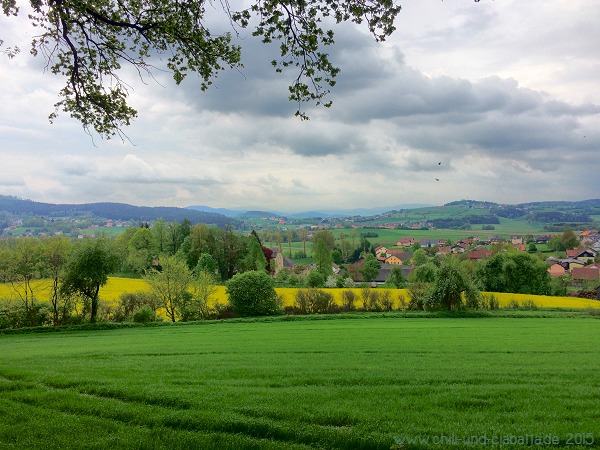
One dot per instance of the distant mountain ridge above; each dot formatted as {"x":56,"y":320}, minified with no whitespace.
{"x":454,"y":214}
{"x":115,"y":211}
{"x":309,"y":214}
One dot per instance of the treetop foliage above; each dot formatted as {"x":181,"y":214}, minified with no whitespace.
{"x":87,"y":43}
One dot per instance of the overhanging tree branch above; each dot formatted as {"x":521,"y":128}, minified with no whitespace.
{"x":87,"y":42}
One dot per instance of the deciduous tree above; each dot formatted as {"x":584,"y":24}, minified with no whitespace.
{"x":519,"y":273}
{"x":303,"y":234}
{"x":289,"y":234}
{"x":327,"y":237}
{"x":159,"y":230}
{"x":88,"y":270}
{"x":450,"y":285}
{"x":322,"y":258}
{"x":565,"y":241}
{"x":206,"y":263}
{"x":255,"y":258}
{"x":56,"y":252}
{"x":396,"y":278}
{"x":427,"y":273}
{"x":22,"y":263}
{"x":142,"y":250}
{"x":419,"y":257}
{"x":203,"y":290}
{"x":169,"y":285}
{"x":370,"y":268}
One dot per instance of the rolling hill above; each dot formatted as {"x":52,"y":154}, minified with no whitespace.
{"x":115,"y":211}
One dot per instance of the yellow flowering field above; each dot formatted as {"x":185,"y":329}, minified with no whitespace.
{"x":110,"y":293}
{"x":116,"y":286}
{"x":541,"y":301}
{"x":544,"y":301}
{"x":41,"y":290}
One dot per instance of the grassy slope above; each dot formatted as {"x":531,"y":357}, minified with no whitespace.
{"x":326,"y":384}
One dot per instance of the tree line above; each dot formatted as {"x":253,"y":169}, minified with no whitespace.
{"x":183,"y":263}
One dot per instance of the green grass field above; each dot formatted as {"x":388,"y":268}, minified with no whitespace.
{"x":352,"y":383}
{"x":390,"y":237}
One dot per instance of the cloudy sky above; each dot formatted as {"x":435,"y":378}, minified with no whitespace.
{"x":505,"y":94}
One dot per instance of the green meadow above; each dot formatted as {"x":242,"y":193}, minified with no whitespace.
{"x":370,"y":383}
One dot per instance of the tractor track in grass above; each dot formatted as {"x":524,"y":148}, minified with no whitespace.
{"x":137,"y":411}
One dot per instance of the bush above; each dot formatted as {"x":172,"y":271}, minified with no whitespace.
{"x":474,"y":301}
{"x":36,"y":315}
{"x":418,"y":293}
{"x":189,"y":308}
{"x":332,"y":281}
{"x":490,"y":302}
{"x":144,"y":314}
{"x":223,"y":312}
{"x":529,"y":304}
{"x":283,"y":275}
{"x":402,"y":302}
{"x":14,"y":315}
{"x":348,"y":282}
{"x":8,"y":316}
{"x":513,"y":304}
{"x":314,"y":301}
{"x":348,"y":299}
{"x":293,"y":280}
{"x":385,"y":301}
{"x":253,"y":294}
{"x":314,"y":279}
{"x":374,"y":300}
{"x":129,"y":302}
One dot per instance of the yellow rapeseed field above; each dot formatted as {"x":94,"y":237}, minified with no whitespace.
{"x":116,"y":286}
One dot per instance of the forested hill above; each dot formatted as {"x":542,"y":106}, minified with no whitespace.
{"x":114,"y":211}
{"x":538,"y":212}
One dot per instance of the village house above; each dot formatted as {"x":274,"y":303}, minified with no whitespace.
{"x":429,"y":242}
{"x":517,"y":240}
{"x":479,"y":253}
{"x":572,"y":253}
{"x":587,"y":273}
{"x":405,"y":242}
{"x":393,"y":260}
{"x":570,"y":263}
{"x":280,"y":261}
{"x":459,"y":247}
{"x":402,"y":255}
{"x":444,"y":250}
{"x":556,"y":270}
{"x":586,"y":255}
{"x":543,"y":239}
{"x":381,"y":253}
{"x":386,"y":270}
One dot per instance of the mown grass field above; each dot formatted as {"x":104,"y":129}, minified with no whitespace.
{"x":327,"y":384}
{"x":116,"y":286}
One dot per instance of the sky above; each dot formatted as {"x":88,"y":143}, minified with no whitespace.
{"x":494,"y":101}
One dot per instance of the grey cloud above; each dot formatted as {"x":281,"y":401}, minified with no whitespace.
{"x":321,"y":142}
{"x":390,"y":125}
